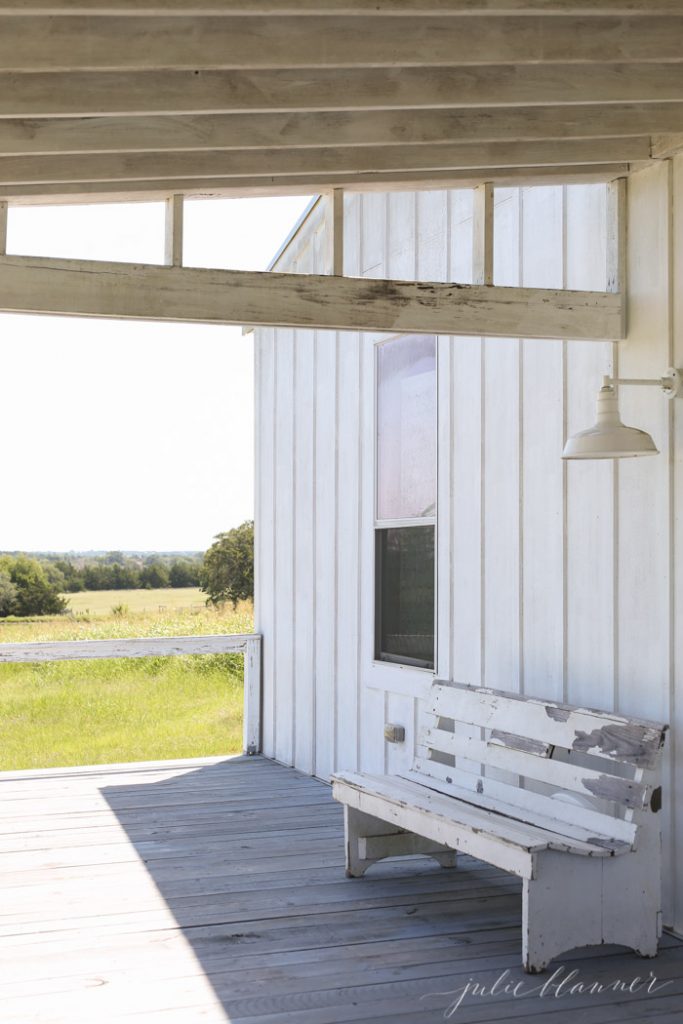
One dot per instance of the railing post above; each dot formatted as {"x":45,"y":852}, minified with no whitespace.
{"x":252,"y":697}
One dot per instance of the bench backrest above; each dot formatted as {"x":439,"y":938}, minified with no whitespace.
{"x":589,"y":770}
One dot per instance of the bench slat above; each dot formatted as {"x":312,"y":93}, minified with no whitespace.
{"x":603,"y":735}
{"x":418,"y":812}
{"x":526,"y":835}
{"x":537,"y":809}
{"x":574,"y":777}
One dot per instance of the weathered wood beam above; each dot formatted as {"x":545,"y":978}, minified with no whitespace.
{"x":323,"y":130}
{"x":617,"y":233}
{"x":664,"y":146}
{"x":335,"y":231}
{"x":307,"y":185}
{"x":126,"y":291}
{"x":140,"y":43}
{"x":617,"y":243}
{"x":74,"y":94}
{"x":482,"y":234}
{"x":134,"y":647}
{"x":309,"y":8}
{"x":174,"y":229}
{"x":3,"y":228}
{"x":272,"y":164}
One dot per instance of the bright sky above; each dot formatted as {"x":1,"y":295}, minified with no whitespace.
{"x":123,"y":435}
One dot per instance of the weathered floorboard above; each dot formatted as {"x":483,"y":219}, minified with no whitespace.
{"x":245,"y":915}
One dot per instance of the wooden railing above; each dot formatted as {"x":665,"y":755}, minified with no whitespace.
{"x":248,"y":644}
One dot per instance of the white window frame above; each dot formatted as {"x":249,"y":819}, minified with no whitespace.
{"x":389,"y":662}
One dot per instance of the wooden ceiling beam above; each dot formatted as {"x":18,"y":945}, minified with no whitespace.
{"x":144,"y":43}
{"x":84,"y":94}
{"x":128,"y":291}
{"x":664,"y":146}
{"x":309,"y":8}
{"x":392,"y":129}
{"x":308,"y":185}
{"x":272,"y":164}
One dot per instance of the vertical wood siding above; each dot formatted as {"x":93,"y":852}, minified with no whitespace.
{"x":558,"y":580}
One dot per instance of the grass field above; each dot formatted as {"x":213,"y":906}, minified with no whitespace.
{"x":101,"y":602}
{"x":101,"y":712}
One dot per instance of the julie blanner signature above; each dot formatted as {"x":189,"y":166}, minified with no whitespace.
{"x":560,"y":984}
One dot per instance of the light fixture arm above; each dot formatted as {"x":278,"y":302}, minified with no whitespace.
{"x":670,"y":383}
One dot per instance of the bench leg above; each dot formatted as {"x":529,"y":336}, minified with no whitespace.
{"x":369,"y":840}
{"x":561,"y":907}
{"x":632,"y":895}
{"x":446,"y":860}
{"x":578,"y":901}
{"x":356,"y":825}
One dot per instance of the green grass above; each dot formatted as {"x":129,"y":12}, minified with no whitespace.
{"x":101,"y":602}
{"x":58,"y":714}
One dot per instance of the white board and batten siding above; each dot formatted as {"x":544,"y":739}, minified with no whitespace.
{"x":557,"y":580}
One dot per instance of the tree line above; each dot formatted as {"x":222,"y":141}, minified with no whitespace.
{"x":35,"y":584}
{"x":116,"y":571}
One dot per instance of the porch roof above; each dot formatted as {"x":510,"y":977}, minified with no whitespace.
{"x":214,"y":890}
{"x":117,"y":98}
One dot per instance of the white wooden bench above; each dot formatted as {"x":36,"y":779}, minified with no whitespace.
{"x":565,"y":798}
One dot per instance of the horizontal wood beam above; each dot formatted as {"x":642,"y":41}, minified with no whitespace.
{"x":135,"y":647}
{"x":84,"y":94}
{"x":664,"y":146}
{"x":313,"y":130}
{"x":149,"y":43}
{"x":87,"y":94}
{"x":126,"y":291}
{"x":308,"y":185}
{"x":309,"y":8}
{"x":318,"y":163}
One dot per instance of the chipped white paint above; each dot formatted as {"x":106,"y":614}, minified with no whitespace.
{"x":564,"y":905}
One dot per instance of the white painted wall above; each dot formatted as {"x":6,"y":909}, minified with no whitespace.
{"x":557,"y":580}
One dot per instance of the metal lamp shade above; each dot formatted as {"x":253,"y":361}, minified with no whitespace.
{"x":609,"y":438}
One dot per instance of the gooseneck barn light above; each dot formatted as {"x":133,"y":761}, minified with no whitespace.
{"x":610,"y":438}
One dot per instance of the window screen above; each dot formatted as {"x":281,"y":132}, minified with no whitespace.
{"x":406,"y":501}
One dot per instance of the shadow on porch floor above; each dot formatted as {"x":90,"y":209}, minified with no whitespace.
{"x":214,"y":891}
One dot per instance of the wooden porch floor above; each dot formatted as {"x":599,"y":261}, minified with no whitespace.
{"x":213,"y":890}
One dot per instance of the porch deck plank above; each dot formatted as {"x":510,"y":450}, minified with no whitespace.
{"x":213,"y":890}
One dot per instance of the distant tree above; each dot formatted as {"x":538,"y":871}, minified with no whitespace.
{"x":73,"y":577}
{"x":96,"y":577}
{"x":124,"y":577}
{"x":35,"y":593}
{"x":154,"y":575}
{"x":184,"y":573}
{"x":227,"y":573}
{"x":8,"y":594}
{"x":55,"y":576}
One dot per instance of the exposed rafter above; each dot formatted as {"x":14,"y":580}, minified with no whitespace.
{"x":89,"y":288}
{"x":366,"y":128}
{"x":129,"y":44}
{"x":306,"y":184}
{"x":320,"y":164}
{"x":310,"y":8}
{"x":226,"y":95}
{"x":83,"y":94}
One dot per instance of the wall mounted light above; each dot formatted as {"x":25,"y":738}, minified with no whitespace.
{"x":610,"y":438}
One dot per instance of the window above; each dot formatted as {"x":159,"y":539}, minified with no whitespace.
{"x":406,"y":501}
